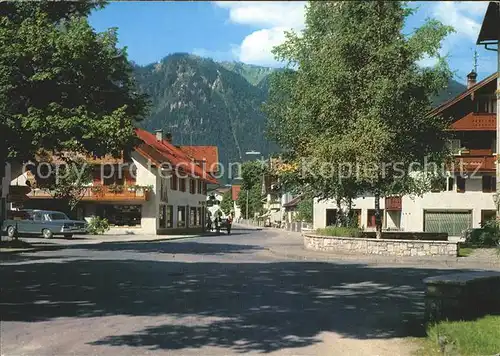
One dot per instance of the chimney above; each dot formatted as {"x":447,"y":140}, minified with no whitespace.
{"x":159,"y":135}
{"x":168,"y":137}
{"x":471,"y":79}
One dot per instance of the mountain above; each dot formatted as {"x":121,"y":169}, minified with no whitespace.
{"x":454,"y":88}
{"x":202,"y":102}
{"x":252,"y":73}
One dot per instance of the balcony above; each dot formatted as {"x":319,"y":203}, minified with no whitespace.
{"x":476,"y":122}
{"x":471,"y":163}
{"x":103,"y":193}
{"x":393,"y":204}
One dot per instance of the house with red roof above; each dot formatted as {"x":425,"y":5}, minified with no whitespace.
{"x":158,"y":188}
{"x":465,"y":198}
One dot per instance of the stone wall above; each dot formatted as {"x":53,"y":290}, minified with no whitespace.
{"x":382,"y":247}
{"x":462,"y":296}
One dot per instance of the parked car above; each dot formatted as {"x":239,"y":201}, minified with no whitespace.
{"x":42,"y":222}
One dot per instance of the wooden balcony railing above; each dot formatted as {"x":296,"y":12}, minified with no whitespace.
{"x":101,"y":193}
{"x":471,"y":163}
{"x":393,"y":203}
{"x":475,"y":122}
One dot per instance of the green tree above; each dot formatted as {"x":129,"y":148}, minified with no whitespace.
{"x":255,"y":205}
{"x":252,"y":173}
{"x":63,"y":86}
{"x":357,"y":102}
{"x":305,"y":209}
{"x":226,"y":204}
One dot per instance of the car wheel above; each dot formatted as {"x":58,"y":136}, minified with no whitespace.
{"x":11,"y":231}
{"x":47,"y":234}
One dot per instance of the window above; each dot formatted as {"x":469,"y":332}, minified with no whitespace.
{"x":488,"y":215}
{"x":200,"y":186}
{"x":331,"y":217}
{"x":205,"y":188}
{"x":486,"y":104}
{"x":163,"y":190}
{"x":181,"y":216}
{"x":170,"y":216}
{"x":173,"y":182}
{"x":182,"y":184}
{"x":371,"y":218}
{"x":198,"y":214}
{"x":163,"y":216}
{"x":56,"y":216}
{"x":450,"y":183}
{"x":489,"y":184}
{"x":192,"y":216}
{"x":460,"y":184}
{"x":192,"y":186}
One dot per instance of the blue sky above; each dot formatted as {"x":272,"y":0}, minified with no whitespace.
{"x":246,"y":31}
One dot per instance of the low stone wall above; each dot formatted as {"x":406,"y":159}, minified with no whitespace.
{"x":462,"y":296}
{"x":382,"y":247}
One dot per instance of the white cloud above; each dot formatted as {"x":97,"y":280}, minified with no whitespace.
{"x":427,"y":61}
{"x":266,"y":14}
{"x":273,"y":19}
{"x":256,"y":47}
{"x":463,"y":16}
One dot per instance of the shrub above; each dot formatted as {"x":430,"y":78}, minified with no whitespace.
{"x":341,"y":231}
{"x":487,"y":236}
{"x":97,"y":225}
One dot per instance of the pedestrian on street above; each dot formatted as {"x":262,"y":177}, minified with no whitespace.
{"x":217,"y":224}
{"x":229,"y":222}
{"x":209,"y":224}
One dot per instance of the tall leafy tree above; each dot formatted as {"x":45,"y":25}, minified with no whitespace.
{"x":226,"y":204}
{"x":63,"y":86}
{"x":254,"y":198}
{"x":355,"y":101}
{"x":67,"y":181}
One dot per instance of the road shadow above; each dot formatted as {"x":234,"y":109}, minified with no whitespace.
{"x":169,"y":247}
{"x":243,"y":307}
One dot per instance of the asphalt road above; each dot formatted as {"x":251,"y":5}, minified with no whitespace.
{"x":204,"y":296}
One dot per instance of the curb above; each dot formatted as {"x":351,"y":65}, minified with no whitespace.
{"x":456,"y":262}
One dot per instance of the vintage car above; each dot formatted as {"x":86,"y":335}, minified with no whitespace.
{"x":42,"y":222}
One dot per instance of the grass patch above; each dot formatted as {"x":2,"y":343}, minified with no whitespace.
{"x":340,"y":231}
{"x":464,"y":250}
{"x":471,"y":338}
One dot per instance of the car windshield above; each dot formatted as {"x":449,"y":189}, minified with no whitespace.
{"x":57,"y":216}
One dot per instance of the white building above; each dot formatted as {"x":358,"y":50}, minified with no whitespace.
{"x":160,"y":189}
{"x":463,"y":200}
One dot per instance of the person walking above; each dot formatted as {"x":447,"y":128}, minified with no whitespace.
{"x":209,"y":224}
{"x":229,"y":222}
{"x":217,"y":224}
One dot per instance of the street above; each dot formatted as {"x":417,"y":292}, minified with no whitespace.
{"x":213,"y":295}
